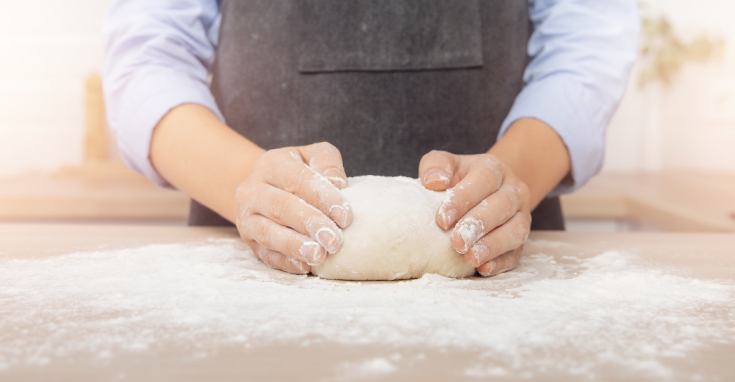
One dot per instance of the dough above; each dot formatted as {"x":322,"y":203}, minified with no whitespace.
{"x":393,"y":234}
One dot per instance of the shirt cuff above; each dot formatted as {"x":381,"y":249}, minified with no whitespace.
{"x":138,"y":116}
{"x":564,"y":104}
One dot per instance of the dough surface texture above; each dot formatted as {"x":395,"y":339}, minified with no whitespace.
{"x":393,"y":235}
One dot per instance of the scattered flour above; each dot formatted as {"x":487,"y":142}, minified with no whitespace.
{"x":370,"y":368}
{"x":613,"y":313}
{"x":491,"y":371}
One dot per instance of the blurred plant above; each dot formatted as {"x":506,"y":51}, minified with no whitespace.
{"x":663,"y":53}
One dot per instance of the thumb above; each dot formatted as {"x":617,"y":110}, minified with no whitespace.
{"x":437,"y":169}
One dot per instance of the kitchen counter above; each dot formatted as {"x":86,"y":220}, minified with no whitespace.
{"x":110,"y":193}
{"x":672,"y":202}
{"x":92,"y":192}
{"x":92,"y":302}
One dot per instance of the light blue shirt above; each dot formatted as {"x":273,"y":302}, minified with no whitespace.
{"x":159,"y":55}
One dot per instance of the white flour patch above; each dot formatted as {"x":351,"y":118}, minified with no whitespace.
{"x":484,"y":372}
{"x":605,"y":312}
{"x":375,"y":367}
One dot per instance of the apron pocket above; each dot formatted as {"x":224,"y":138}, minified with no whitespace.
{"x":389,"y":35}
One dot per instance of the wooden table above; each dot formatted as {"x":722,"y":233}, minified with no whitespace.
{"x":93,"y":192}
{"x":112,"y":193}
{"x":678,"y":202}
{"x":676,"y":260}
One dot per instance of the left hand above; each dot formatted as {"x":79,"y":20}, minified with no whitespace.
{"x":489,"y":206}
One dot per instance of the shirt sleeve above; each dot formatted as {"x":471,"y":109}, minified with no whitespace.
{"x":581,"y":55}
{"x":158,"y":55}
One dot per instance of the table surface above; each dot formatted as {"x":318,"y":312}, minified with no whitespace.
{"x":92,"y":192}
{"x":51,"y":327}
{"x":677,"y":202}
{"x":110,"y":192}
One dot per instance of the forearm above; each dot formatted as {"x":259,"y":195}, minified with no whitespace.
{"x":202,"y":157}
{"x":536,"y":153}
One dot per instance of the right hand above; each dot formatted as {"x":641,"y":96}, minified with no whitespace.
{"x":289,"y":208}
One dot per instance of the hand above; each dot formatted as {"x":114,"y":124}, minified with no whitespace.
{"x":489,"y":206}
{"x":289,"y":208}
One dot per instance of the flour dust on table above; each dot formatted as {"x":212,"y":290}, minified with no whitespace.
{"x":393,"y":235}
{"x":579,"y":317}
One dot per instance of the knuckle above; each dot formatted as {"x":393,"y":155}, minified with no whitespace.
{"x":505,"y":264}
{"x":271,"y":258}
{"x":294,"y":266}
{"x":492,"y":246}
{"x":256,"y":251}
{"x":241,"y":194}
{"x":323,"y":146}
{"x":270,"y":155}
{"x":489,"y":156}
{"x":436,"y":155}
{"x":506,"y":200}
{"x":246,"y":228}
{"x":491,"y":176}
{"x":264,"y":254}
{"x":279,"y":261}
{"x":524,"y":230}
{"x":525,"y":222}
{"x":491,"y":166}
{"x":295,"y":181}
{"x":246,"y":193}
{"x":516,"y":255}
{"x":250,"y":243}
{"x":327,"y":148}
{"x":503,"y":206}
{"x":279,"y":205}
{"x":261,"y":233}
{"x":514,"y":193}
{"x":293,"y":247}
{"x":523,"y":191}
{"x":507,"y":212}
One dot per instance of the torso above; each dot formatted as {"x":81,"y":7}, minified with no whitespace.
{"x":385,"y":81}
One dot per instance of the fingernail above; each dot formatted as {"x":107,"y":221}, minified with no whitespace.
{"x":328,"y":239}
{"x":310,"y":253}
{"x":478,"y":253}
{"x":450,"y":216}
{"x":336,"y":176}
{"x":436,"y":175}
{"x":340,"y":215}
{"x":492,"y":266}
{"x":297,"y":266}
{"x":469,"y":230}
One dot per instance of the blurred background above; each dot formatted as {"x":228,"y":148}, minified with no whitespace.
{"x":670,"y":159}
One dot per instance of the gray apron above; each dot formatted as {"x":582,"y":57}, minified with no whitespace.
{"x":385,"y":81}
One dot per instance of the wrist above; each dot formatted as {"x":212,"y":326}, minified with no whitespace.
{"x":536,"y":154}
{"x":198,"y":154}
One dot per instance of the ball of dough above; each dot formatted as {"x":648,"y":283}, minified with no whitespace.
{"x":393,"y":235}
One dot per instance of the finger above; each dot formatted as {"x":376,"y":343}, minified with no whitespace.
{"x":436,"y":170}
{"x":490,"y":213}
{"x":500,"y":264}
{"x":282,"y":239}
{"x":280,"y":261}
{"x":508,"y":236}
{"x":326,"y":160}
{"x":289,"y":210}
{"x":299,"y":179}
{"x":480,"y":175}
